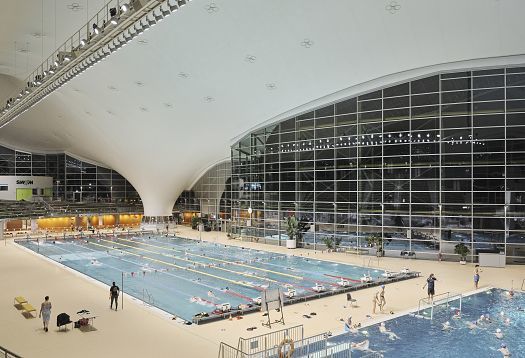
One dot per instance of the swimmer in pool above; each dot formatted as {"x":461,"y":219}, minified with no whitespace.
{"x":472,"y":325}
{"x":457,"y":315}
{"x":391,"y":335}
{"x":361,"y":346}
{"x":446,"y":326}
{"x":504,"y":350}
{"x":498,"y":334}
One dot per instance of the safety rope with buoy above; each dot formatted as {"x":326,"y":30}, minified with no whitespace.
{"x":288,"y":354}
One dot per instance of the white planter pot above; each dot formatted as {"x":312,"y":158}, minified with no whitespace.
{"x":291,"y":244}
{"x":462,"y":262}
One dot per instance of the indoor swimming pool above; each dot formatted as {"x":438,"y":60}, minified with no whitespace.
{"x":466,"y":335}
{"x":187,"y":277}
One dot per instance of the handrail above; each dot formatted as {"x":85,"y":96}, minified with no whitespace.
{"x":8,"y":354}
{"x":434,"y":302}
{"x":522,"y":283}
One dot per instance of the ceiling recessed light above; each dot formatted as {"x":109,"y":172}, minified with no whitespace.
{"x":307,"y":43}
{"x":168,"y":105}
{"x":142,"y":41}
{"x":209,"y":99}
{"x":250,"y":58}
{"x":183,"y":75}
{"x":393,"y":7}
{"x":211,"y":8}
{"x":271,"y":86}
{"x":75,"y":6}
{"x":143,"y":109}
{"x":139,"y":83}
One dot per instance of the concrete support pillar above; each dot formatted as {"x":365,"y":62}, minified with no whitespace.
{"x":34,"y":225}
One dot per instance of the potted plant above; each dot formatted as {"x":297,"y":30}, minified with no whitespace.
{"x":462,"y":250}
{"x":376,"y":241}
{"x":292,"y":230}
{"x":195,"y":221}
{"x":329,"y":243}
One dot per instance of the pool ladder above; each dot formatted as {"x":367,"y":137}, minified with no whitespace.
{"x":449,"y":296}
{"x":147,"y":297}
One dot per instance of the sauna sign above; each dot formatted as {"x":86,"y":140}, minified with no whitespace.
{"x":24,"y":182}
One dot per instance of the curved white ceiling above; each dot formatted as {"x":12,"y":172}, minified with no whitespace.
{"x":166,"y":106}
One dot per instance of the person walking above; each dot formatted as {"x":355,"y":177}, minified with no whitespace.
{"x":45,"y":312}
{"x":431,"y":288}
{"x":113,"y":295}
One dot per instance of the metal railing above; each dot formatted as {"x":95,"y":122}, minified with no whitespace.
{"x":269,"y":341}
{"x":522,"y":284}
{"x":449,"y":296}
{"x":5,"y":353}
{"x":147,"y":297}
{"x":273,"y":345}
{"x":106,"y":25}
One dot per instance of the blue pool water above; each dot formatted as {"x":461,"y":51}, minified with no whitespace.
{"x":184,"y":277}
{"x":422,"y":337}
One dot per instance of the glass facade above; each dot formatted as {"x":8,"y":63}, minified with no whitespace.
{"x":211,"y":194}
{"x":73,"y":179}
{"x":425,"y":164}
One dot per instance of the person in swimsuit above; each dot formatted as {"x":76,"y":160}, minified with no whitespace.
{"x":382,"y":299}
{"x":476,"y":276}
{"x":375,"y":301}
{"x":45,"y":312}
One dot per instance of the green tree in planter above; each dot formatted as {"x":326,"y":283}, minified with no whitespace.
{"x":328,"y":242}
{"x":462,"y":250}
{"x":292,"y":228}
{"x":195,"y":221}
{"x":376,"y":241}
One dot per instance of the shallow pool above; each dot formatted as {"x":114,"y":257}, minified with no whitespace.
{"x":422,"y":337}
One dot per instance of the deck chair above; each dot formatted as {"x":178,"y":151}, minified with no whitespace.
{"x":352,"y":301}
{"x":19,"y":300}
{"x":63,"y":320}
{"x":27,"y":308}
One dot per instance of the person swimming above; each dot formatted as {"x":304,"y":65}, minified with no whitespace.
{"x":457,"y":315}
{"x":483,"y":319}
{"x":471,"y":325}
{"x":391,"y":335}
{"x":446,"y":326}
{"x":361,"y":346}
{"x":504,"y":350}
{"x":498,"y":334}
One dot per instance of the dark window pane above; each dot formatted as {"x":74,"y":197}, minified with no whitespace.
{"x":516,"y":80}
{"x":488,"y":94}
{"x":425,"y":85}
{"x":348,"y":106}
{"x":488,"y":81}
{"x":455,"y":84}
{"x":399,"y":90}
